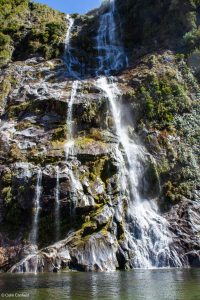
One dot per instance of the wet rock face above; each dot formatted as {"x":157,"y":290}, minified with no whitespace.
{"x":33,"y":132}
{"x":83,"y":43}
{"x":65,"y":171}
{"x":97,"y":253}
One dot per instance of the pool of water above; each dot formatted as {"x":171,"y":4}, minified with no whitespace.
{"x":173,"y":284}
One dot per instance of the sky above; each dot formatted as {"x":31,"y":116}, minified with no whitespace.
{"x":72,"y":6}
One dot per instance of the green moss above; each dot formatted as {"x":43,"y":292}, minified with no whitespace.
{"x":59,"y":134}
{"x":5,"y":88}
{"x":38,"y":159}
{"x":25,"y":124}
{"x":7,"y":178}
{"x":104,"y":231}
{"x":21,"y":189}
{"x":95,"y":134}
{"x":7,"y":194}
{"x":88,"y":228}
{"x":120,"y":231}
{"x":90,"y":113}
{"x":82,"y":142}
{"x":97,"y":167}
{"x":14,"y":110}
{"x":15,"y":154}
{"x":5,"y":56}
{"x":153,"y":173}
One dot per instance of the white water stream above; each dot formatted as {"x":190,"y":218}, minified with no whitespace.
{"x":57,"y":205}
{"x":146,"y":231}
{"x":38,"y":192}
{"x":111,"y":54}
{"x":69,"y":145}
{"x":69,"y":59}
{"x":69,"y":148}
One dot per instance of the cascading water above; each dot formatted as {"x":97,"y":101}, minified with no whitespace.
{"x":111,"y":56}
{"x":69,"y":59}
{"x":38,"y":192}
{"x":146,"y":231}
{"x":34,"y":231}
{"x":67,"y":53}
{"x":69,"y":147}
{"x":57,"y":205}
{"x":147,"y":241}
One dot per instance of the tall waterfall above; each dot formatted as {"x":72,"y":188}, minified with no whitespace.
{"x":146,"y":231}
{"x":69,"y":145}
{"x":38,"y":192}
{"x":69,"y":148}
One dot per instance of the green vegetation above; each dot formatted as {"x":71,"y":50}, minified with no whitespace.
{"x":164,"y":98}
{"x":159,"y":24}
{"x":59,"y":134}
{"x":161,"y":98}
{"x":165,"y":101}
{"x":27,"y":28}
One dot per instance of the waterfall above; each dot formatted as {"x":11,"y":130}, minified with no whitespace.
{"x":38,"y":192}
{"x":57,"y":205}
{"x":69,"y":59}
{"x":70,"y":22}
{"x":67,"y":52}
{"x":69,"y":145}
{"x":111,"y":56}
{"x":69,"y":148}
{"x":146,"y":231}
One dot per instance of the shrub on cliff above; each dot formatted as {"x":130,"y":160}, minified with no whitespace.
{"x":28,"y":28}
{"x":166,"y":23}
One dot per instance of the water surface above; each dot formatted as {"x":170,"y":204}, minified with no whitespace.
{"x":173,"y":284}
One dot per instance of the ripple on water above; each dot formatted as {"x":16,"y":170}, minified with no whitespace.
{"x":165,"y":284}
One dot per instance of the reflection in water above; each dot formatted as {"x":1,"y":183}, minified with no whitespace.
{"x":165,"y":284}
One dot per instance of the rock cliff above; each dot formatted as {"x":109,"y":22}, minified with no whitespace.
{"x":99,"y":173}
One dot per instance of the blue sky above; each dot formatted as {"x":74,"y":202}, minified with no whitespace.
{"x":72,"y":6}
